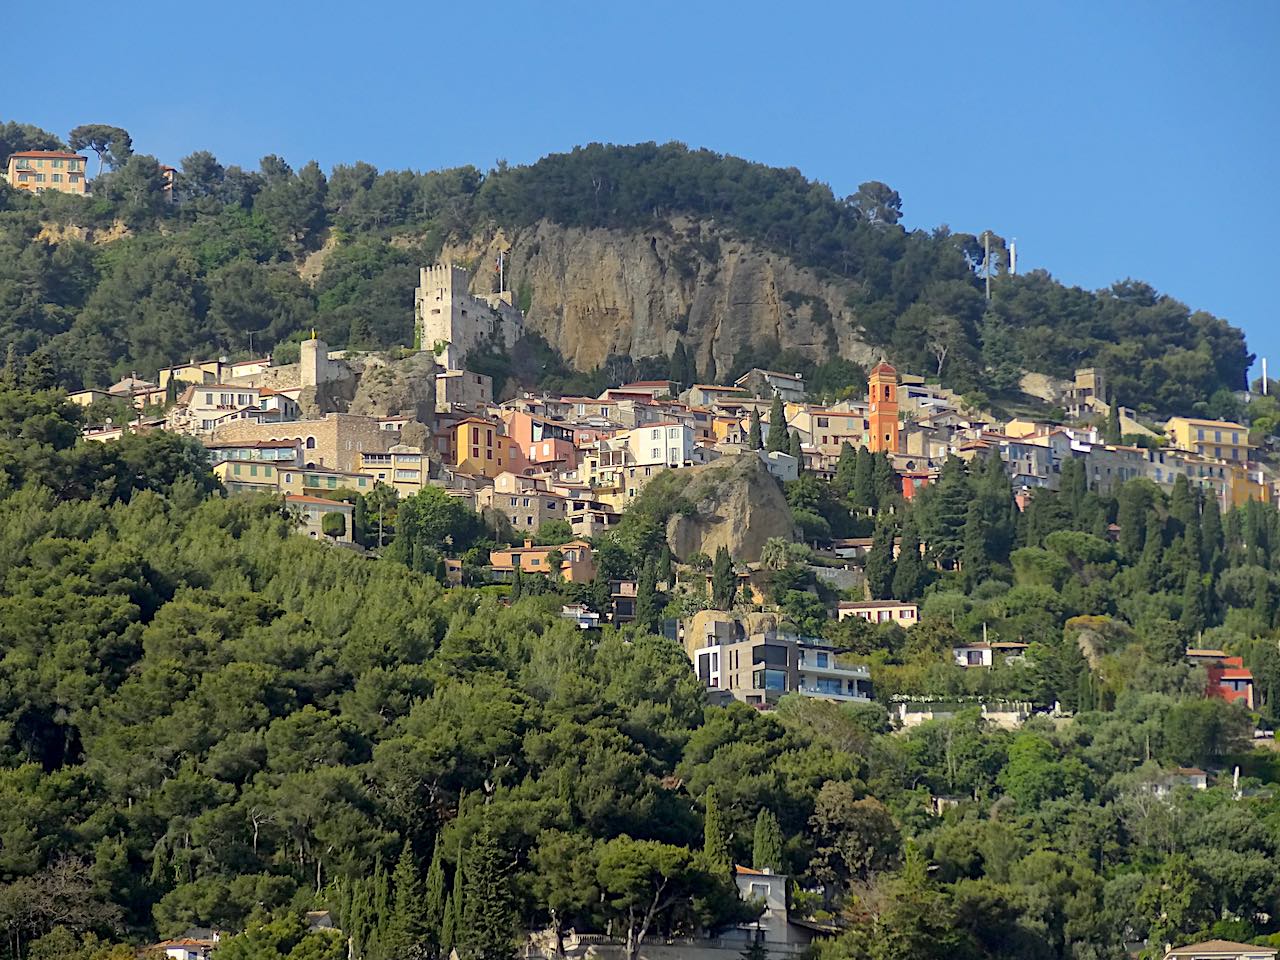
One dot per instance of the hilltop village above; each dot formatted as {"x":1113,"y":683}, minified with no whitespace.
{"x":347,"y":440}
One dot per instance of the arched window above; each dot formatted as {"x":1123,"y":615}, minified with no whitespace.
{"x":311,"y":443}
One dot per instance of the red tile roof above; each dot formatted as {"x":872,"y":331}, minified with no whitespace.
{"x":49,"y":154}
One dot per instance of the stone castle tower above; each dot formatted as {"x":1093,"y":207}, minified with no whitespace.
{"x":452,"y":322}
{"x":882,"y":413}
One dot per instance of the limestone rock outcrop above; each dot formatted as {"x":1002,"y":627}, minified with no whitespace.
{"x":596,"y":292}
{"x":736,"y":504}
{"x":396,"y":388}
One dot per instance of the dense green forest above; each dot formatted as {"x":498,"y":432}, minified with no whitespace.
{"x":217,"y":271}
{"x":205,"y":718}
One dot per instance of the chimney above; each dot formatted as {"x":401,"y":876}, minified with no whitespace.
{"x":528,"y":544}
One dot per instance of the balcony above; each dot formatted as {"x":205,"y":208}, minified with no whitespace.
{"x":835,"y":670}
{"x":806,"y":691}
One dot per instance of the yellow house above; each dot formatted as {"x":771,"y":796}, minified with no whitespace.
{"x":240,"y":476}
{"x":1220,"y":439}
{"x":403,"y":468}
{"x":41,"y":170}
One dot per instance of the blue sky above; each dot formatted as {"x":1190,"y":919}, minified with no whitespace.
{"x":1111,"y":139}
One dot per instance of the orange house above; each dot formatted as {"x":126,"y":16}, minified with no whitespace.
{"x":480,"y":447}
{"x":576,"y":565}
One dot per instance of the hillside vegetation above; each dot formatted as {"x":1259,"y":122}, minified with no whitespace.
{"x":218,"y":271}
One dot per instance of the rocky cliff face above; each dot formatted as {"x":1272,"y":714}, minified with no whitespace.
{"x":597,"y":292}
{"x":738,"y":505}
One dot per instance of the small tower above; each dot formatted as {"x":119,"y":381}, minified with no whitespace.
{"x":882,"y":413}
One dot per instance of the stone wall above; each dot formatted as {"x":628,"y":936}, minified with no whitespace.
{"x":334,"y":442}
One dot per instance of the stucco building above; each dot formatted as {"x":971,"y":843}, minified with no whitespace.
{"x":39,"y":170}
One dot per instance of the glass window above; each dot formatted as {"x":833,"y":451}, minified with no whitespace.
{"x":769,"y":679}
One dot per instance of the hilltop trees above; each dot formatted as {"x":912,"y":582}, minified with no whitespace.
{"x":111,"y":144}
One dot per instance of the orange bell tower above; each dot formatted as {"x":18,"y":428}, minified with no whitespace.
{"x":882,"y":413}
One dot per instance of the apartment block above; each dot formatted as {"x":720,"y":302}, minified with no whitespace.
{"x":760,"y":668}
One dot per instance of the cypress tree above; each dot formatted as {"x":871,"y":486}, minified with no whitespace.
{"x":407,"y":925}
{"x":441,"y":571}
{"x":1113,"y":434}
{"x":863,"y":492}
{"x":1211,"y":542}
{"x":795,"y":449}
{"x":1085,"y":698}
{"x":448,"y":928}
{"x":754,"y":438}
{"x":845,"y":466}
{"x":766,"y":848}
{"x":909,"y":574}
{"x":724,"y":582}
{"x":880,"y":566}
{"x":975,"y":564}
{"x":1150,"y":562}
{"x":715,"y":842}
{"x":679,"y":370}
{"x":488,"y":915}
{"x":1181,"y":502}
{"x":885,"y":482}
{"x":517,"y":580}
{"x":435,"y":898}
{"x":1262,"y":601}
{"x":950,"y":509}
{"x":12,"y":366}
{"x":1193,"y":605}
{"x":647,"y":613}
{"x":777,"y":440}
{"x":662,"y":566}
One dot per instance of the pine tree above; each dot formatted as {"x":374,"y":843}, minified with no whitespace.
{"x":715,"y":841}
{"x":880,"y":565}
{"x":435,"y":899}
{"x":766,"y":848}
{"x":777,"y":441}
{"x":407,"y":930}
{"x":647,"y":612}
{"x":842,"y":484}
{"x":909,"y":574}
{"x":863,"y":492}
{"x":754,"y":440}
{"x":488,"y":915}
{"x":724,"y":581}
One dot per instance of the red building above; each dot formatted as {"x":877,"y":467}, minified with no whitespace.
{"x":1230,"y":681}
